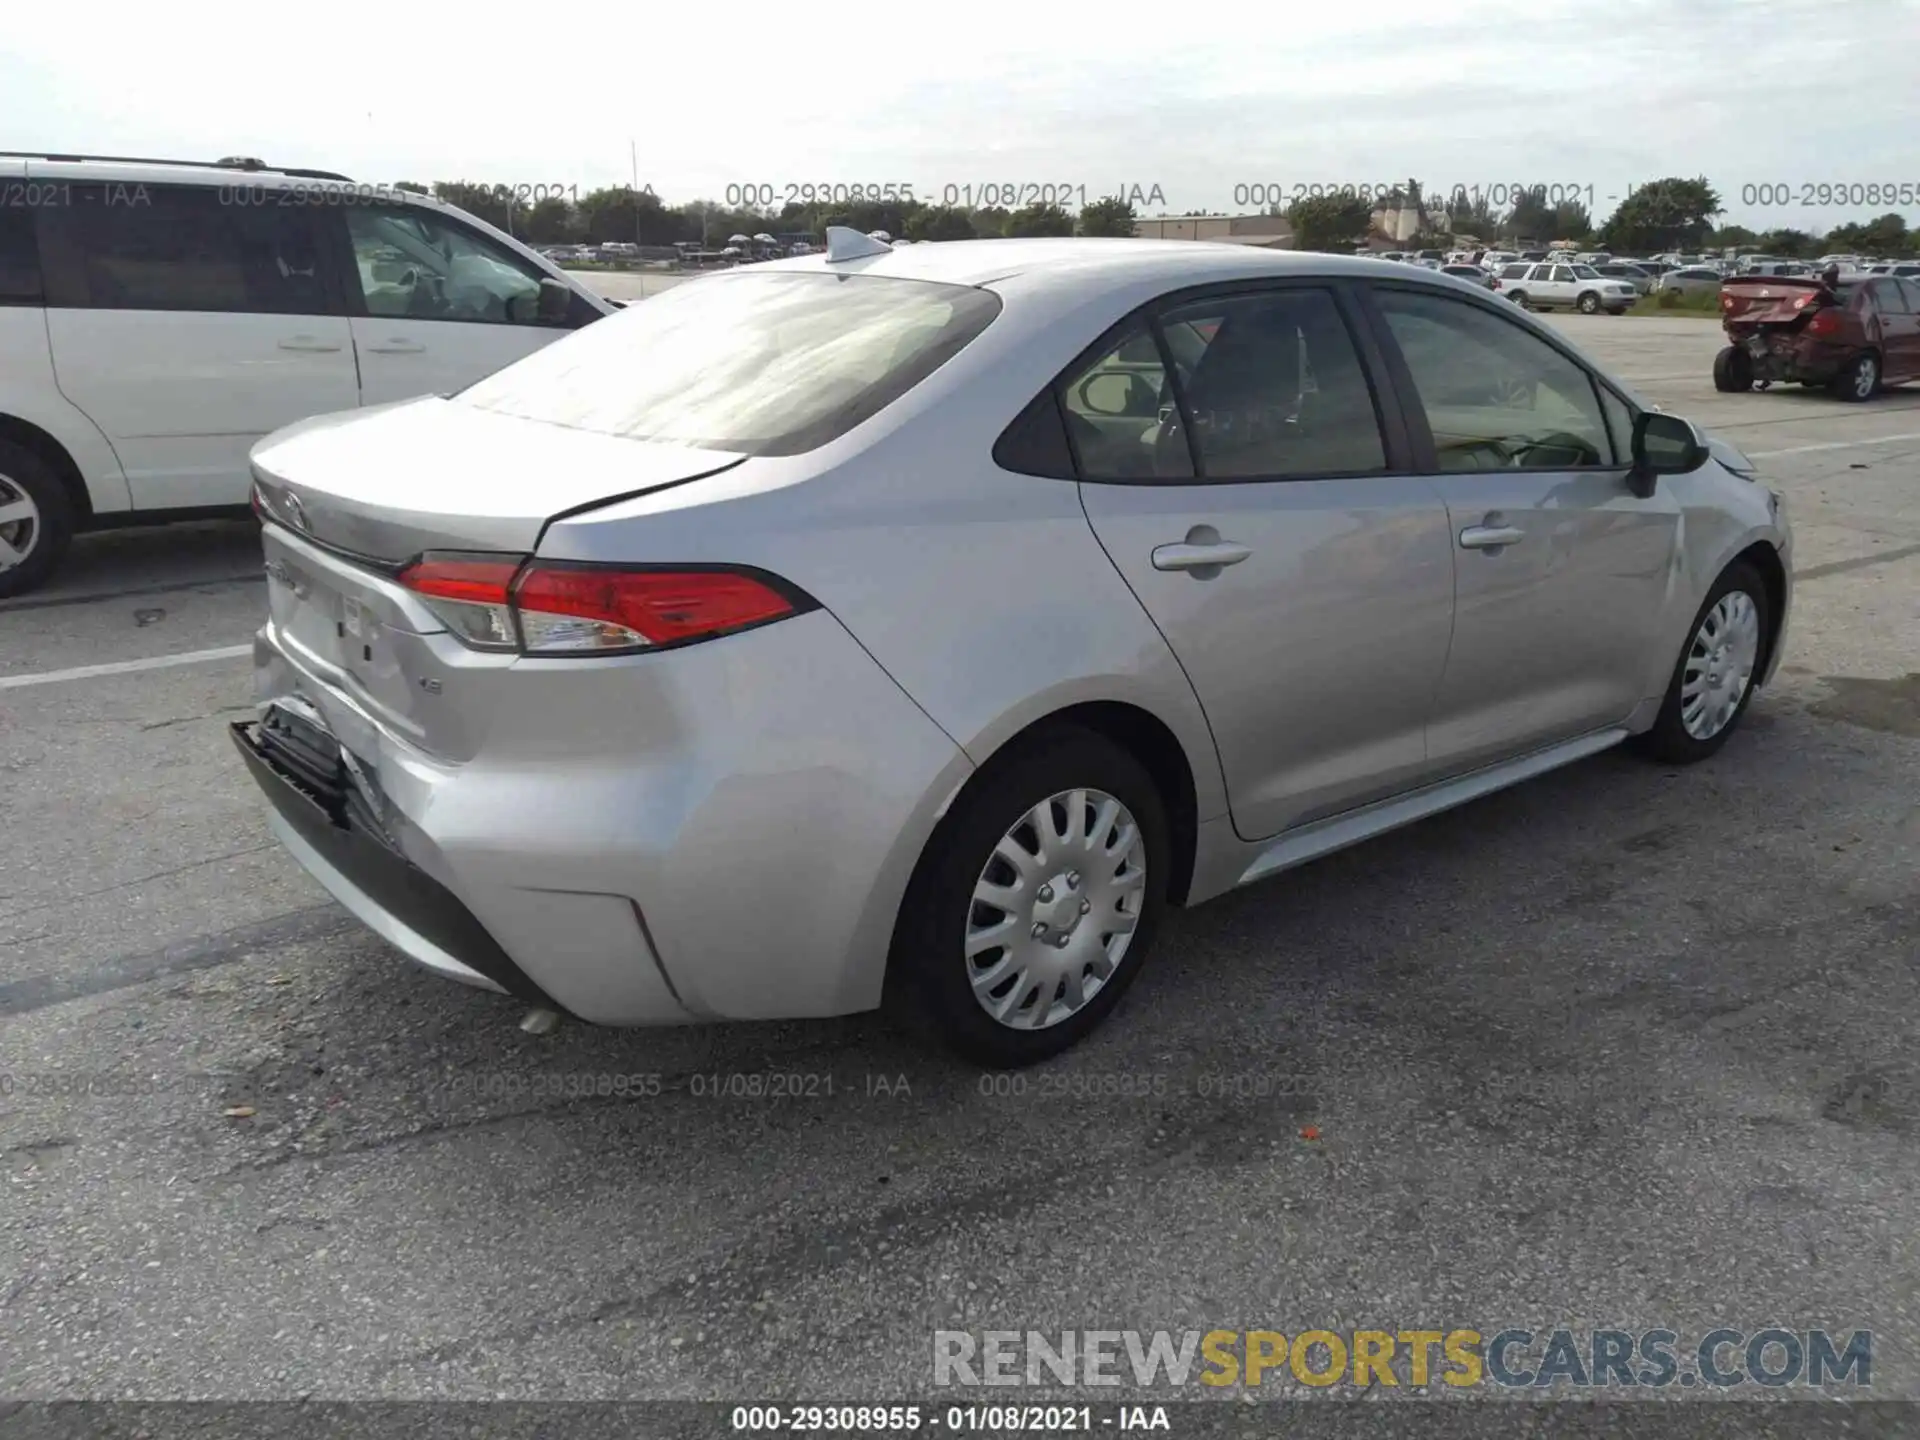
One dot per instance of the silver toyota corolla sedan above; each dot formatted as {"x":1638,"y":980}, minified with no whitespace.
{"x":913,"y":626}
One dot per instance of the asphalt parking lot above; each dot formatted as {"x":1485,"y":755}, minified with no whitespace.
{"x":1624,"y":1046}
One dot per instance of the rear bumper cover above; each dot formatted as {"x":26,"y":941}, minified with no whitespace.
{"x":383,"y":889}
{"x":1798,"y":358}
{"x":721,"y":832}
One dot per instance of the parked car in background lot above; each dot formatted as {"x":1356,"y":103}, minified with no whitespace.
{"x":1690,"y":281}
{"x":161,"y":317}
{"x":719,"y":720}
{"x":1563,"y":285}
{"x":1470,"y":272}
{"x":1629,"y":274}
{"x":1853,"y":337}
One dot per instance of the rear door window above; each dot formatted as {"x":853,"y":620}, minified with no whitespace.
{"x":1119,"y":408}
{"x":189,"y":247}
{"x":1279,"y":392}
{"x":19,"y":256}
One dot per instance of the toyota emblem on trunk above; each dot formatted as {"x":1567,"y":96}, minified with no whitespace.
{"x":296,"y":512}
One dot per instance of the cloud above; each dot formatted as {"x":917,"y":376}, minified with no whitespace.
{"x":1477,"y":94}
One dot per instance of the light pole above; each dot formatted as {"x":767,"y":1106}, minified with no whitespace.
{"x":633,"y":159}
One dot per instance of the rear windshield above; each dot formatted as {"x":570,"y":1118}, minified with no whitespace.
{"x":768,"y":364}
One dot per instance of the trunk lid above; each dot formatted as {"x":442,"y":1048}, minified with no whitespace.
{"x":1772,"y":300}
{"x":386,"y":483}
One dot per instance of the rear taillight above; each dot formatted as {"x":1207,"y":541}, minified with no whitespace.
{"x":496,"y":602}
{"x":1826,"y":322}
{"x":472,"y":594}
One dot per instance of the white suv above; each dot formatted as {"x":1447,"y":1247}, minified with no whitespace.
{"x":157,"y":318}
{"x":1580,"y":287}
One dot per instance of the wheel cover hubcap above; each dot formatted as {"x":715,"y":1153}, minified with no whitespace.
{"x":19,"y":524}
{"x":1719,"y":665}
{"x":1864,"y":376}
{"x":1055,"y":909}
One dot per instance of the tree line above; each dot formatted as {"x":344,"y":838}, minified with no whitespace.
{"x":620,"y":213}
{"x":1672,"y":214}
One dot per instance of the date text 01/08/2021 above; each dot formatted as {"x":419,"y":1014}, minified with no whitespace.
{"x":1495,"y":194}
{"x":1003,"y":194}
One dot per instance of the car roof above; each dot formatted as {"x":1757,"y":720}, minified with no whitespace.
{"x":116,"y":170}
{"x":1121,"y":260}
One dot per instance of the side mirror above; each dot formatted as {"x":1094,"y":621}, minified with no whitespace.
{"x":1664,"y":445}
{"x":1109,"y":393}
{"x":556,"y":300}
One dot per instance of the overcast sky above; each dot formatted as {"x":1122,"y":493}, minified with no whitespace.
{"x":1197,"y":100}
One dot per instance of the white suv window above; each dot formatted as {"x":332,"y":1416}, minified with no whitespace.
{"x":416,"y":264}
{"x":1496,"y":396}
{"x":187,"y":247}
{"x":19,"y":257}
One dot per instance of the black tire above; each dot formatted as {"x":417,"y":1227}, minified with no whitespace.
{"x":1589,"y":303}
{"x":46,"y":536}
{"x":1519,"y":297}
{"x":1669,"y":741}
{"x":928,"y":982}
{"x":1732,"y":370}
{"x":1858,"y":380}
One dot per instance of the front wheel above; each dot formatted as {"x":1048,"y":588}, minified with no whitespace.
{"x":1589,"y":303}
{"x":1035,"y":904}
{"x":1710,"y":687}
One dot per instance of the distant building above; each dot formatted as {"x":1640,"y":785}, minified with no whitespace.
{"x":1400,"y":223}
{"x":1269,"y":231}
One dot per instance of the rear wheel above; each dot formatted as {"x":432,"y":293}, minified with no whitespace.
{"x":1035,"y":904}
{"x":1858,"y":379}
{"x":1519,"y":297}
{"x":36,"y":520}
{"x":1732,"y":369}
{"x":1710,"y":687}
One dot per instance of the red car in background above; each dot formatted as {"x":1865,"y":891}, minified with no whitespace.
{"x":1852,"y":335}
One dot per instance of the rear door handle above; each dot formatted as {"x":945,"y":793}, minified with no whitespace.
{"x":397,"y":347}
{"x":1489,"y":537}
{"x":1198,"y":557}
{"x":309,"y":344}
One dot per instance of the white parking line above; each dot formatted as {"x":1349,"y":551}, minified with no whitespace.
{"x":1834,"y":445}
{"x":125,"y":667}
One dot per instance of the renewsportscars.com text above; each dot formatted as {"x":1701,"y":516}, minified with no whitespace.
{"x":1459,"y":1357}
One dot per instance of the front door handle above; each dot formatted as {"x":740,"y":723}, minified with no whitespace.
{"x":308,"y":344}
{"x":1489,"y":537}
{"x":1199,"y":557}
{"x":397,"y":347}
